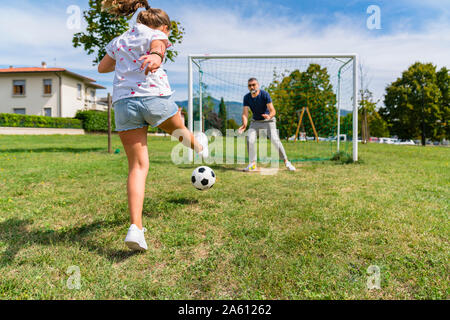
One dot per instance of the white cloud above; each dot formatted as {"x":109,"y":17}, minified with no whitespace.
{"x":223,"y":30}
{"x":384,"y":55}
{"x":39,"y":34}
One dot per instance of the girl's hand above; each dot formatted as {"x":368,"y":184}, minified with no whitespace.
{"x":151,"y":63}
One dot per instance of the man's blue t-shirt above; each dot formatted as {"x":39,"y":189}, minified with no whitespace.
{"x":258,"y":105}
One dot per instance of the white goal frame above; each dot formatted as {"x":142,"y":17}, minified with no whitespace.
{"x":353,"y":58}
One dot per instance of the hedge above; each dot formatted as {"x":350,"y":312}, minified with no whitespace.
{"x":97,"y":121}
{"x":26,"y":121}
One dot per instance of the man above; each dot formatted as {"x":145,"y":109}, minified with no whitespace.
{"x":260,"y":103}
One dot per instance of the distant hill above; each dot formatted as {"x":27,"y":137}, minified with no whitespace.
{"x":345,"y":112}
{"x":234,"y":109}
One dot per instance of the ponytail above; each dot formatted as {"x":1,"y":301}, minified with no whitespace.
{"x":124,"y":8}
{"x":153,"y":18}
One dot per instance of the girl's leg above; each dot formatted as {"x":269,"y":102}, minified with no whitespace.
{"x":135,"y":144}
{"x":175,"y":126}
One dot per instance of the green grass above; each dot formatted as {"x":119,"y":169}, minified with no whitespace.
{"x":297,"y":151}
{"x":311,"y":234}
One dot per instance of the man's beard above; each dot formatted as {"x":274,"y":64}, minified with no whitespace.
{"x":253,"y":91}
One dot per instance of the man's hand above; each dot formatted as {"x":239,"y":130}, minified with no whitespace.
{"x":242,"y":129}
{"x":266,"y":116}
{"x":151,"y":63}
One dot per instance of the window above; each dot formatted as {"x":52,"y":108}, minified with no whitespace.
{"x":47,"y":86}
{"x":18,"y":87}
{"x":19,"y":111}
{"x":79,"y":87}
{"x":48,"y":112}
{"x":92,"y":96}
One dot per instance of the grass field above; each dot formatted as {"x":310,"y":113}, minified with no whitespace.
{"x":311,"y":234}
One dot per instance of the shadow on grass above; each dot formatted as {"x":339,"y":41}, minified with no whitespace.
{"x":183,"y":201}
{"x":17,"y":234}
{"x":164,"y":207}
{"x":48,"y":149}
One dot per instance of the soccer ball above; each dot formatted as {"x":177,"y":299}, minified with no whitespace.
{"x":203,"y":178}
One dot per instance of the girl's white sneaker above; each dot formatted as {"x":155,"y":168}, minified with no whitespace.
{"x":203,"y":140}
{"x":135,"y":239}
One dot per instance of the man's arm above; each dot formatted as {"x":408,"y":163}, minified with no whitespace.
{"x":107,"y":65}
{"x":271,"y":110}
{"x":244,"y":119}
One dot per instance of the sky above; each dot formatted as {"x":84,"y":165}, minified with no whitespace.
{"x":411,"y":30}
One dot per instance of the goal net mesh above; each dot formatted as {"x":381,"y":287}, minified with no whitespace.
{"x":310,"y":89}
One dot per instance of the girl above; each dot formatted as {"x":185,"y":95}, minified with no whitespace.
{"x":142,"y":96}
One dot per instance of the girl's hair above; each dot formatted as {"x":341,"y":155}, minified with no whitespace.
{"x":153,"y":18}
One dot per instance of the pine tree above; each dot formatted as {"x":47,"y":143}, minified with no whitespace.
{"x":223,"y":116}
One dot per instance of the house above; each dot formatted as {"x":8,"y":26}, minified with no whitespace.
{"x":53,"y":92}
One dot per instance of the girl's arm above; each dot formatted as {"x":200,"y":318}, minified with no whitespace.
{"x":152,"y":62}
{"x":107,"y":65}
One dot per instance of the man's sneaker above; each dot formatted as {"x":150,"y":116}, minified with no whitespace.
{"x":203,"y":140}
{"x":289,"y":166}
{"x":135,"y":239}
{"x":251,"y":168}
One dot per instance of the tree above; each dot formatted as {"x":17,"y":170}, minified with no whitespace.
{"x":347,"y":125}
{"x":223,"y":116}
{"x":366,"y":105}
{"x":212,"y":120}
{"x":378,"y":127}
{"x":443,"y":81}
{"x":207,"y":103}
{"x":414,"y":103}
{"x":369,"y":118}
{"x":311,"y":88}
{"x":102,"y":27}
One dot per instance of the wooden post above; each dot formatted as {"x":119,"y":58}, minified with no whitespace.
{"x":310,"y":120}
{"x":299,"y":124}
{"x":109,"y":122}
{"x":312,"y":124}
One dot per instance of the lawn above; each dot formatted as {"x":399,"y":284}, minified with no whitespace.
{"x":311,"y":234}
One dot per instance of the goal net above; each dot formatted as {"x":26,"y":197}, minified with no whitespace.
{"x":314,"y":97}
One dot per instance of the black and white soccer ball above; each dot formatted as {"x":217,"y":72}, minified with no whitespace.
{"x":203,"y":178}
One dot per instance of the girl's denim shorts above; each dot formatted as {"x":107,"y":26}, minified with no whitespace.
{"x":138,"y":112}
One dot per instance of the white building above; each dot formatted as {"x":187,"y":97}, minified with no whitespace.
{"x":54,"y":92}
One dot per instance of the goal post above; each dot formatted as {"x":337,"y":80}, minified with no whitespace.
{"x":212,"y":77}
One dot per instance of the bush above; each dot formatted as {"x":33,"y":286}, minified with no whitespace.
{"x":24,"y":121}
{"x":231,"y":124}
{"x":342,"y":157}
{"x":97,"y":121}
